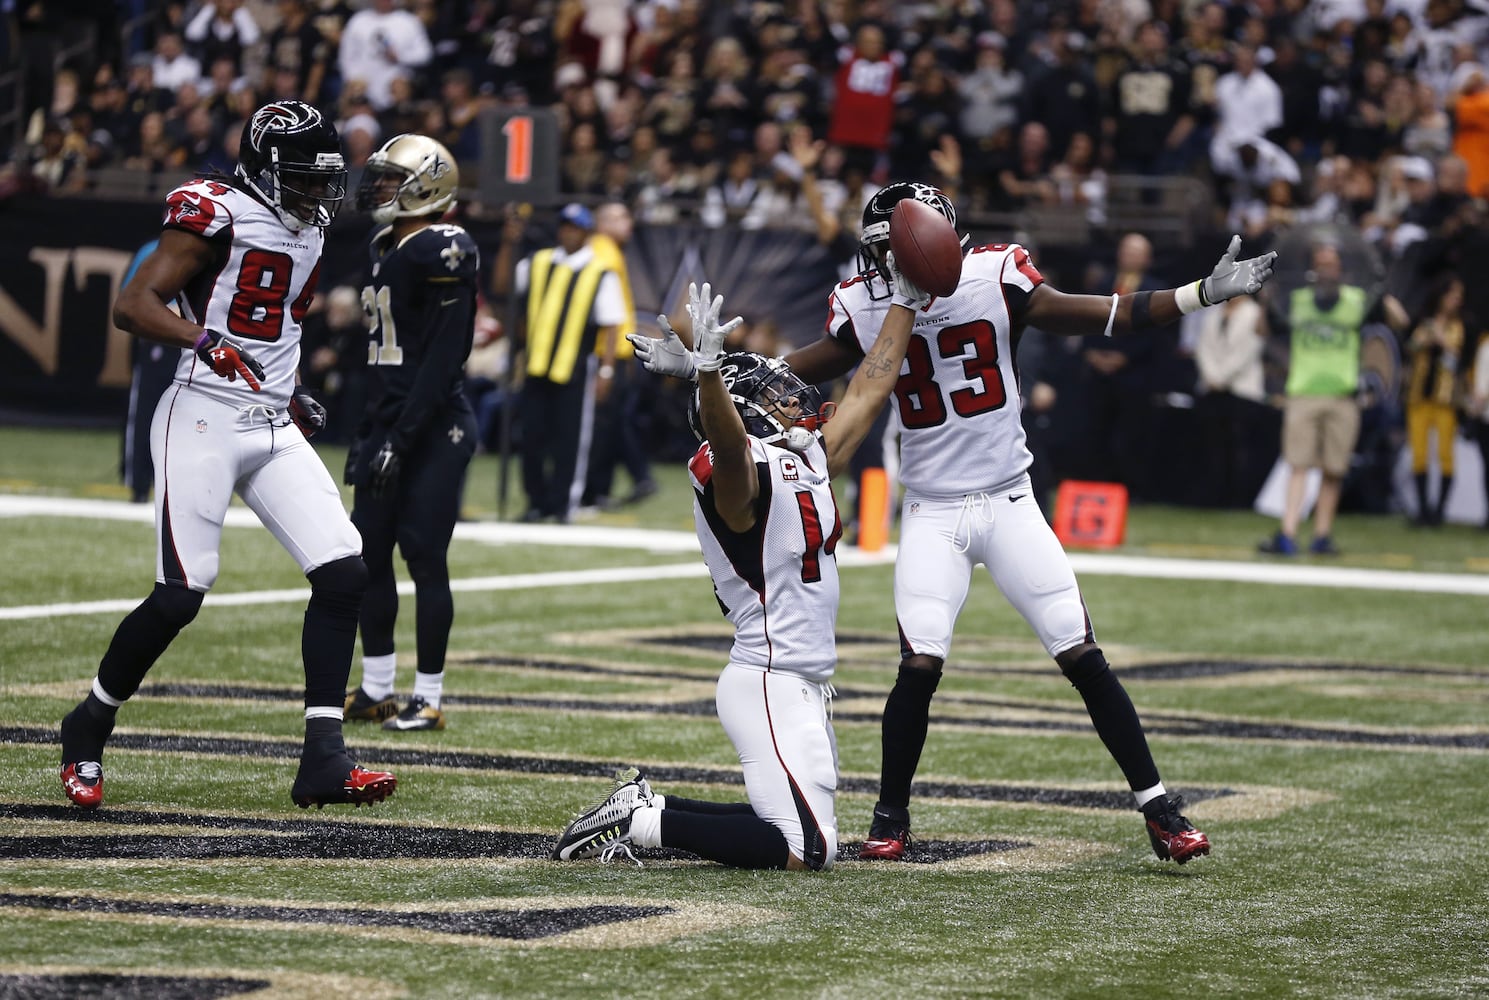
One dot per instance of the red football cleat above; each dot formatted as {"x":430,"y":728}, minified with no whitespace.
{"x":83,"y":783}
{"x":1173,"y":837}
{"x":321,"y":788}
{"x":889,"y":835}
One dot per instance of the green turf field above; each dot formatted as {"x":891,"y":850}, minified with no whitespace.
{"x":1332,"y":741}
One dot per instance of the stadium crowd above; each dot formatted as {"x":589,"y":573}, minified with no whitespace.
{"x":1369,"y":116}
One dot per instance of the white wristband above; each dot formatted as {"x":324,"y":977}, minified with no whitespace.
{"x":606,"y":371}
{"x":1187,"y":297}
{"x":1111,"y":317}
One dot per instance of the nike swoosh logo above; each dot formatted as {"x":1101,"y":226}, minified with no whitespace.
{"x":448,"y":302}
{"x":1016,"y":497}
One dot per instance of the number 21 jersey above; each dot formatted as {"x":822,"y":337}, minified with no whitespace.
{"x":957,"y":397}
{"x":258,"y":295}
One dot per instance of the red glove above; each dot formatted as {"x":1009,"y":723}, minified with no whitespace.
{"x":229,"y":360}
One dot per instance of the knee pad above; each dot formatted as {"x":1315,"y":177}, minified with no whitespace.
{"x":340,"y":584}
{"x":1087,"y":667}
{"x":177,"y":606}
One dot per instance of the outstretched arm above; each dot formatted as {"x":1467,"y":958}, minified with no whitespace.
{"x":736,"y":483}
{"x":1059,"y":312}
{"x":876,"y":375}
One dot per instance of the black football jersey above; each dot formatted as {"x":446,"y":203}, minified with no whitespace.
{"x":421,"y":310}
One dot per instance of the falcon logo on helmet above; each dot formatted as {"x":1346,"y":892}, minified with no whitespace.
{"x":760,"y":388}
{"x":874,"y":243}
{"x":411,"y":175}
{"x":291,"y":156}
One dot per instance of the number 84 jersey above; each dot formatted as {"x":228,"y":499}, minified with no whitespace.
{"x":957,"y":397}
{"x":258,"y":295}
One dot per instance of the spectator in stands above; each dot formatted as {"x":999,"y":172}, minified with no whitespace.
{"x":863,"y":103}
{"x":990,"y":103}
{"x":379,"y":44}
{"x":672,"y":109}
{"x":1064,"y":96}
{"x":1079,"y":182}
{"x":728,"y":201}
{"x":1232,"y":406}
{"x":1150,"y":121}
{"x":463,"y":108}
{"x":1246,"y":167}
{"x":1321,"y":418}
{"x":1025,"y":177}
{"x":297,"y":46}
{"x":222,"y":29}
{"x":1248,"y":104}
{"x":152,"y":148}
{"x":725,"y":97}
{"x":59,"y":170}
{"x":787,"y":89}
{"x":172,"y":68}
{"x":142,"y":95}
{"x":1429,"y":132}
{"x":1437,"y":345}
{"x":1469,"y":102}
{"x":928,"y":110}
{"x":583,"y":164}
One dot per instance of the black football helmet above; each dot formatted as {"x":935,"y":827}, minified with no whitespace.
{"x":757,"y":385}
{"x":291,"y":155}
{"x":874,"y":243}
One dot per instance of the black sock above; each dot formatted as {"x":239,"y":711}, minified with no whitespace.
{"x":1423,"y":510}
{"x":143,"y":636}
{"x":1442,"y":498}
{"x":86,"y":729}
{"x":907,"y":715}
{"x":330,"y":632}
{"x":1115,"y":719}
{"x":709,"y":808}
{"x":99,"y":710}
{"x":323,"y":738}
{"x":736,"y":840}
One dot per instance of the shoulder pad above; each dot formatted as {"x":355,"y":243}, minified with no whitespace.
{"x":198,"y":208}
{"x":445,"y":252}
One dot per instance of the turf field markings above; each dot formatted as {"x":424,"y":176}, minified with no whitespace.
{"x":67,"y":982}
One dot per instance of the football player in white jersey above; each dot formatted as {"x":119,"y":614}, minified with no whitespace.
{"x":968,"y":500}
{"x":240,"y":256}
{"x":766,"y":518}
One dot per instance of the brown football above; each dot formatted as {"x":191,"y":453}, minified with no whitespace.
{"x":926,"y":247}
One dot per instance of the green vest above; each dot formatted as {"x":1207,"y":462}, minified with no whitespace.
{"x":1325,"y":345}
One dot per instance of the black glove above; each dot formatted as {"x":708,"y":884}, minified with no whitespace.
{"x":308,"y":414}
{"x":385,"y":465}
{"x":353,"y":451}
{"x":229,"y":360}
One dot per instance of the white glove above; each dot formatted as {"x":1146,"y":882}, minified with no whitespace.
{"x":667,"y":356}
{"x":708,"y":335}
{"x":1233,"y":277}
{"x":906,"y":292}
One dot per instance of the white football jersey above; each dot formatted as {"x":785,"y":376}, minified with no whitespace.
{"x":257,"y":298}
{"x":778,"y":581}
{"x":957,"y":397}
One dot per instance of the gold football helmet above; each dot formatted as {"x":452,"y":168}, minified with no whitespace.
{"x":410,"y":175}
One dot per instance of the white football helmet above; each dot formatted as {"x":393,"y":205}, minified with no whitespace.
{"x":410,"y":175}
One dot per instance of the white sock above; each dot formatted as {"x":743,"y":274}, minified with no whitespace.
{"x":1149,"y":794}
{"x":429,"y":687}
{"x":377,"y":675}
{"x":646,"y":827}
{"x":324,"y":712}
{"x":658,"y":801}
{"x":104,"y":696}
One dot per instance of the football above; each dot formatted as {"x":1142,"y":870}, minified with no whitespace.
{"x":926,"y":247}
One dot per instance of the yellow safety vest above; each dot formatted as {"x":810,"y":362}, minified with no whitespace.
{"x":609,"y":253}
{"x":559,"y":306}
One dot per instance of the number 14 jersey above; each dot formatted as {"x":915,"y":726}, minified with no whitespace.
{"x":258,"y":294}
{"x":957,"y":397}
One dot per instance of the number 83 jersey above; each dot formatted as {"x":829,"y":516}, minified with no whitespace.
{"x":957,"y":397}
{"x":258,"y":296}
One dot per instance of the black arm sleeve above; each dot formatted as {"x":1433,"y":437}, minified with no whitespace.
{"x":448,"y":327}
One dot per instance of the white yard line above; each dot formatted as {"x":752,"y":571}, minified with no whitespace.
{"x":596,"y":536}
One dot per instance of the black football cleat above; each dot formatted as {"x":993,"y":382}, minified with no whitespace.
{"x":417,"y":714}
{"x":337,"y":780}
{"x":889,"y":834}
{"x":1174,"y":837}
{"x":360,"y":707}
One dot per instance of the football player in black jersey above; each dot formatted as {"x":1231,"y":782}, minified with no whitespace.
{"x":418,"y":434}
